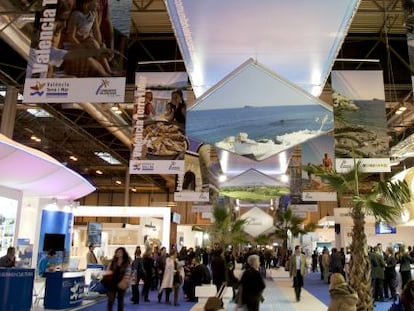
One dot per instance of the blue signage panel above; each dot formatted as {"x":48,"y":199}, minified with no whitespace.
{"x":64,"y":290}
{"x":16,"y":289}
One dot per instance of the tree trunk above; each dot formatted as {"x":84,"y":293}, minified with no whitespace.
{"x":360,"y":267}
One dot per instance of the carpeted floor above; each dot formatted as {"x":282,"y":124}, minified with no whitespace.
{"x":152,"y":305}
{"x":278,"y":296}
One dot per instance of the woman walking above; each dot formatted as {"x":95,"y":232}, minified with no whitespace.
{"x":119,"y":271}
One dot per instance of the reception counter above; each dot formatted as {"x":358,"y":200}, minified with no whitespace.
{"x":16,"y":289}
{"x":64,"y":289}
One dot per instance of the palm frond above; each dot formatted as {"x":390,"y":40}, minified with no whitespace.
{"x":396,"y":193}
{"x":382,"y":211}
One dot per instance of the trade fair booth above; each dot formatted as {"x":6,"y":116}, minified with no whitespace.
{"x":29,"y":181}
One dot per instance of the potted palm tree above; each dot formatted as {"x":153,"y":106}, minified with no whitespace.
{"x":286,"y":221}
{"x":383,"y":199}
{"x":226,"y":229}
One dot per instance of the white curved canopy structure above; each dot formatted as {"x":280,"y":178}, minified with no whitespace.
{"x":36,"y":173}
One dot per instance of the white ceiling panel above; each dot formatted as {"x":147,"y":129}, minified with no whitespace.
{"x":297,"y":39}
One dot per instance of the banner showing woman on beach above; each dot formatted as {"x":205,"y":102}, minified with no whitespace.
{"x":255,"y":113}
{"x":320,"y":152}
{"x":77,"y":52}
{"x":360,"y":120}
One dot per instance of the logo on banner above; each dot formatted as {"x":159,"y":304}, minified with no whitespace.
{"x":76,"y":292}
{"x":143,"y":167}
{"x":37,"y":89}
{"x":50,"y":89}
{"x":174,"y":167}
{"x":105,"y":90}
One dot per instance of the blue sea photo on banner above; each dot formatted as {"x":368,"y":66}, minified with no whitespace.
{"x":77,"y":52}
{"x":255,"y":113}
{"x":360,"y":121}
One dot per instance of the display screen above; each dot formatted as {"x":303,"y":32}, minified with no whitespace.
{"x":94,"y":234}
{"x":175,"y":218}
{"x":384,"y":228}
{"x":55,"y":241}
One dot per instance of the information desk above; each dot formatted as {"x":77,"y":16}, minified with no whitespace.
{"x":16,"y":289}
{"x":64,"y":289}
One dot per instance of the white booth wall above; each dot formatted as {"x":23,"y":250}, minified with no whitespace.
{"x":187,"y":237}
{"x":154,"y":224}
{"x":403,"y":235}
{"x":10,"y":205}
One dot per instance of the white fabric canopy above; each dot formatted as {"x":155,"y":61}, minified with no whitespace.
{"x":36,"y":173}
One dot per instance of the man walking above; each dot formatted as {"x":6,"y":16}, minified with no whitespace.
{"x":297,"y":270}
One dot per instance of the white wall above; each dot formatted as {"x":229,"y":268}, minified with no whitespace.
{"x":190,"y":238}
{"x":132,"y":211}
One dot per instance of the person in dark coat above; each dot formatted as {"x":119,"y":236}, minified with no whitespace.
{"x":138,"y":274}
{"x":120,"y":269}
{"x":148,"y":263}
{"x":218,"y":267}
{"x":390,"y":275}
{"x":343,"y":296}
{"x":251,"y":285}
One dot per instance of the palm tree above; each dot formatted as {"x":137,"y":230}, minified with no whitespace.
{"x":287,"y":221}
{"x":382,"y":199}
{"x":226,"y":230}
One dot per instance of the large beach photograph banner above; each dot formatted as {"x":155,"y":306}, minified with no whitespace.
{"x":77,"y":52}
{"x":320,"y":152}
{"x":360,"y":121}
{"x":158,"y":121}
{"x":255,"y":113}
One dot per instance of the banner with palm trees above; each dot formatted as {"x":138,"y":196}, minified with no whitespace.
{"x":360,"y":127}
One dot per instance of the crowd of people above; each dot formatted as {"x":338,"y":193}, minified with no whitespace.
{"x":155,"y":269}
{"x":168,"y":272}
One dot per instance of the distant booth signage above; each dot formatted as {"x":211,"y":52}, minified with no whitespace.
{"x":84,"y":67}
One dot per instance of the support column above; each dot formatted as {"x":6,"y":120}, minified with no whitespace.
{"x":9,"y":112}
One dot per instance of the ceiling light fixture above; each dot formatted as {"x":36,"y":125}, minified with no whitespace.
{"x":35,"y":138}
{"x":39,"y":112}
{"x":107,"y":157}
{"x":73,"y":158}
{"x":116,"y":109}
{"x":118,"y":182}
{"x":99,"y":172}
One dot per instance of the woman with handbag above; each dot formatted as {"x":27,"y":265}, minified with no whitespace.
{"x":119,"y":271}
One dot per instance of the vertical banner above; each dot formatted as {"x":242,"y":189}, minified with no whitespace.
{"x":189,"y":185}
{"x":360,"y":121}
{"x":77,"y":52}
{"x":408,"y":8}
{"x":159,"y":115}
{"x":320,"y":152}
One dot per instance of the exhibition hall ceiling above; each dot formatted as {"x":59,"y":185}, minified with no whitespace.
{"x":376,"y":39}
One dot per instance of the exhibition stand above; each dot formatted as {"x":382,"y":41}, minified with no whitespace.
{"x":64,"y":289}
{"x":16,"y":289}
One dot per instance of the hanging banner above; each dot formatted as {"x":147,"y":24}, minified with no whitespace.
{"x":159,"y":115}
{"x":320,"y":152}
{"x":189,"y":186}
{"x":360,"y":124}
{"x":77,"y":52}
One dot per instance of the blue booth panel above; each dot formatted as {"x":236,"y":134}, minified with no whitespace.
{"x":16,"y":289}
{"x":64,"y":289}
